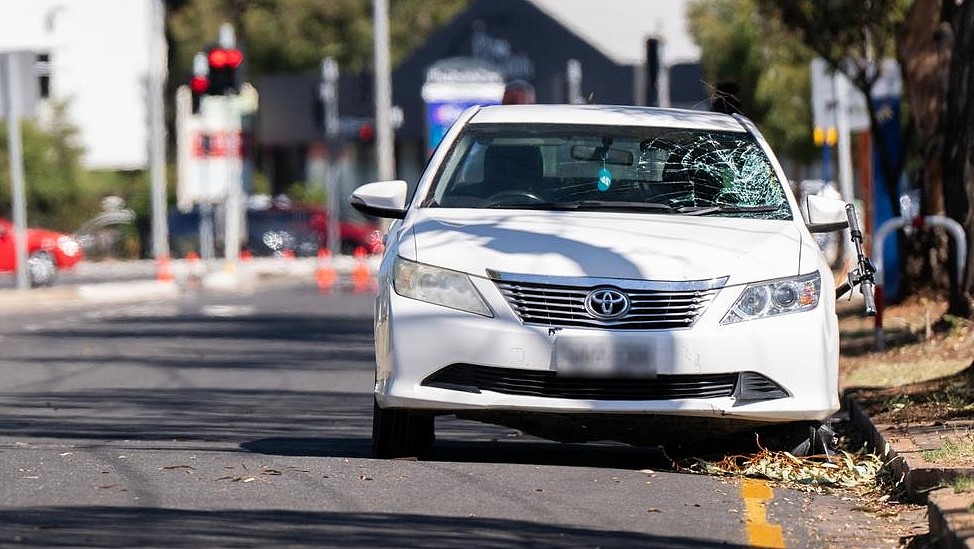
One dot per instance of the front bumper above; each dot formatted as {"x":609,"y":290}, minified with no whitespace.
{"x":797,"y":352}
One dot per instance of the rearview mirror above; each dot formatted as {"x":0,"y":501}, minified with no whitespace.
{"x":826,"y":214}
{"x":600,"y":154}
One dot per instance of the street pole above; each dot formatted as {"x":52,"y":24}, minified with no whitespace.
{"x":844,"y":145}
{"x":844,"y":137}
{"x":329,"y":97}
{"x":157,"y":136}
{"x":573,"y":71}
{"x":12,"y":78}
{"x":233,"y":209}
{"x":383,"y":93}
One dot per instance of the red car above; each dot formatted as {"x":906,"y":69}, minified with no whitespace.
{"x":47,"y":251}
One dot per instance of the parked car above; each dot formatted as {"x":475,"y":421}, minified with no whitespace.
{"x":274,"y":229}
{"x":47,"y":253}
{"x":302,"y":230}
{"x":602,"y":272}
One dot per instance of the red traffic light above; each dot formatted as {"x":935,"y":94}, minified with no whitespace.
{"x":220,"y":58}
{"x":199,"y":84}
{"x":366,"y":132}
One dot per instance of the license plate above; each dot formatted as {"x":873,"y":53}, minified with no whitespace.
{"x":581,"y":356}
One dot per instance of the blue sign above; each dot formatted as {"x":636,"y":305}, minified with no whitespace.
{"x":440,"y":116}
{"x":889,"y":125}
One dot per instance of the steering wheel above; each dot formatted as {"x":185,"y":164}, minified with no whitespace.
{"x":514,"y":196}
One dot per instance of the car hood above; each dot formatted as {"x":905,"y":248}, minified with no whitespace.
{"x":601,"y":244}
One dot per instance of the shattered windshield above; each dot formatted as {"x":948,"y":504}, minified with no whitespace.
{"x":634,"y":169}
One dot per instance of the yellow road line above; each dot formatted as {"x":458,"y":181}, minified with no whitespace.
{"x":756,"y":494}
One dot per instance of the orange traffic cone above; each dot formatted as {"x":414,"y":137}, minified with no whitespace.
{"x":164,"y":269}
{"x":246,"y":255}
{"x":362,"y":279}
{"x":325,"y":272}
{"x":195,"y":269}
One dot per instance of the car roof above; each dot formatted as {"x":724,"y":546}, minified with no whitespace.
{"x":606,"y":115}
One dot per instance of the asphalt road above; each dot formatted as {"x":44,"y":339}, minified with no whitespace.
{"x":242,"y":419}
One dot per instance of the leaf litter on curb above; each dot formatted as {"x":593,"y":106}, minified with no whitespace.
{"x":859,"y":472}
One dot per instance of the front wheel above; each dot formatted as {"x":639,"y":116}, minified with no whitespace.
{"x":41,"y":269}
{"x":400,"y":433}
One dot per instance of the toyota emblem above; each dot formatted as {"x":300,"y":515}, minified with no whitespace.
{"x":607,"y":303}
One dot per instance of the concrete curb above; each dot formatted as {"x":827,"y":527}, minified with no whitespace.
{"x":185,"y":274}
{"x":75,"y":295}
{"x":950,"y":515}
{"x":951,"y":519}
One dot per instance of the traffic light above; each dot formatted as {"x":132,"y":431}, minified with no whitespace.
{"x":199,"y":84}
{"x":224,"y":64}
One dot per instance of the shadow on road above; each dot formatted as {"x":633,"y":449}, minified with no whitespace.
{"x":155,"y":527}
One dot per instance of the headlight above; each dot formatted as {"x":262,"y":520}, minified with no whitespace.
{"x":68,"y":246}
{"x":438,"y":286}
{"x":776,"y":297}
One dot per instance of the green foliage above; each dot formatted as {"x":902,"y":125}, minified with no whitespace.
{"x":60,"y":193}
{"x":851,"y":36}
{"x":302,"y":193}
{"x":295,"y":35}
{"x":843,"y":31}
{"x":769,"y":65}
{"x":56,"y":185}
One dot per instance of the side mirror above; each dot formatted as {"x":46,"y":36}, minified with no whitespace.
{"x":826,"y":215}
{"x":381,"y":199}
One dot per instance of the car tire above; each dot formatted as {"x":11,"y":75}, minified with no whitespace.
{"x":400,"y":433}
{"x":41,"y":269}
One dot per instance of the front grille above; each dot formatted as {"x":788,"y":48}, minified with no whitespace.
{"x":560,"y":303}
{"x":512,"y":381}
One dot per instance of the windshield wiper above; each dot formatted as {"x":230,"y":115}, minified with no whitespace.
{"x":707,"y":210}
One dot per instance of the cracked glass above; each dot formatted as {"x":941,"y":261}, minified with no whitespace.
{"x":638,"y":169}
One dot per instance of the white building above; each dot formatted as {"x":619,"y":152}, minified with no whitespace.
{"x":96,"y":56}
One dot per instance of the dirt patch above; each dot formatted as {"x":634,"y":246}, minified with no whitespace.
{"x":924,"y":373}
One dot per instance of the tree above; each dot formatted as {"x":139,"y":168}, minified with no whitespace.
{"x":923,"y":52}
{"x":852,"y":36}
{"x":295,"y":35}
{"x":930,"y":35}
{"x":958,"y":150}
{"x":52,"y":168}
{"x":767,"y":64}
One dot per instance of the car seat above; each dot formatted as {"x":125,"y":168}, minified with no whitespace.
{"x":512,"y":168}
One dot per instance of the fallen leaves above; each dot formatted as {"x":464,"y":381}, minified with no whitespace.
{"x":248,"y":477}
{"x":811,"y":474}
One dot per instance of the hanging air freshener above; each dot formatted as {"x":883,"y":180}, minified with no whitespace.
{"x":605,"y":179}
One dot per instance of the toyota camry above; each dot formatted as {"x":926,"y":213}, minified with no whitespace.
{"x":600,"y":272}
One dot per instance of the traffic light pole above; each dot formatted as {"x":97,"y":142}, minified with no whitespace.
{"x":234,"y":210}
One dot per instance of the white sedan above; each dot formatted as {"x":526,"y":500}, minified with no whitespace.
{"x":600,"y":272}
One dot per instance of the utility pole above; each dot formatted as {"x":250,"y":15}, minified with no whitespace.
{"x":383,"y":93}
{"x":157,"y":135}
{"x":329,"y":97}
{"x":11,"y":75}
